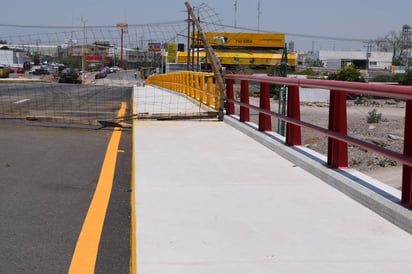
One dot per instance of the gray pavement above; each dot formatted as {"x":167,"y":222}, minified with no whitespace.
{"x":48,"y":176}
{"x":152,"y":100}
{"x":210,"y":199}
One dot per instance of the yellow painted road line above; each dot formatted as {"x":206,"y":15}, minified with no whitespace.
{"x":133,"y":244}
{"x":85,"y":253}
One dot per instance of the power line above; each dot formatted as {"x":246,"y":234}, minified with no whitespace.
{"x":90,"y":27}
{"x":297,"y":34}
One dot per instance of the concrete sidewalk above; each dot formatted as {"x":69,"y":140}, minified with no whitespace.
{"x":210,"y":199}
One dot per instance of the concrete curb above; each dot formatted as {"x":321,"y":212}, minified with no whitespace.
{"x":25,"y":80}
{"x":363,"y":189}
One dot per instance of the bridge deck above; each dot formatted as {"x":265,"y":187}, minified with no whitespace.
{"x":210,"y":199}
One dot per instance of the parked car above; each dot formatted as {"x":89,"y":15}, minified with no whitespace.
{"x":100,"y":74}
{"x":40,"y":71}
{"x":69,"y":75}
{"x":115,"y":69}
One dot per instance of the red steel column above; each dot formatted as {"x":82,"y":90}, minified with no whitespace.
{"x":337,"y":150}
{"x":293,"y":132}
{"x":264,"y":119}
{"x":244,"y":98}
{"x":407,"y":150}
{"x":230,"y":107}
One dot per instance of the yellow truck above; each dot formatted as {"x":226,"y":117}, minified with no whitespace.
{"x":241,"y":40}
{"x":250,"y":58}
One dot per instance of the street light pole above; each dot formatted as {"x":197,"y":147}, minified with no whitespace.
{"x":123,"y":29}
{"x":235,"y":5}
{"x":258,"y":16}
{"x":84,"y":50}
{"x":188,"y":41}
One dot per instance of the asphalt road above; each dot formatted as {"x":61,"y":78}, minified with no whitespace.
{"x":48,"y":177}
{"x":62,"y":103}
{"x":49,"y":169}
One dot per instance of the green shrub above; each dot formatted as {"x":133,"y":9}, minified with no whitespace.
{"x":374,"y":117}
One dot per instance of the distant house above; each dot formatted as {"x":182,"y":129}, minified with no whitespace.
{"x":375,"y":60}
{"x":13,"y":58}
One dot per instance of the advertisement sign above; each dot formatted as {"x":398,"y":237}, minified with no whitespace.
{"x":171,"y":55}
{"x":154,"y":47}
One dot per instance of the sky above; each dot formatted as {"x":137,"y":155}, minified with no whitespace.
{"x":354,"y":19}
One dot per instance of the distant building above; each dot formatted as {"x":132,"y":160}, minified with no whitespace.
{"x":13,"y":58}
{"x":375,"y":60}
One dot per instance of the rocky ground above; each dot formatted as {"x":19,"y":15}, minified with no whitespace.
{"x":387,"y":132}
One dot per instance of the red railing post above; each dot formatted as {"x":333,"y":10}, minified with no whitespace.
{"x":293,"y":132}
{"x":230,"y":107}
{"x":244,"y":98}
{"x":337,"y":150}
{"x":264,"y":119}
{"x":407,"y":150}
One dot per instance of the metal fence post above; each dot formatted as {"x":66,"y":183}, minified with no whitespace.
{"x":244,"y":98}
{"x":407,"y":151}
{"x":337,"y":150}
{"x":230,"y":107}
{"x":293,"y":132}
{"x":264,"y":119}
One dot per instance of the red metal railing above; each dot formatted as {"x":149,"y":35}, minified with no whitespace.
{"x":338,"y":140}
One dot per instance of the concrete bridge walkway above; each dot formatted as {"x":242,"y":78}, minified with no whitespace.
{"x":210,"y":199}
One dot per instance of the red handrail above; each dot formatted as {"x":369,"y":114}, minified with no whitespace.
{"x":338,"y":139}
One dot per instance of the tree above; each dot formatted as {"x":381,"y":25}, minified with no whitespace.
{"x":348,"y":73}
{"x":71,"y":62}
{"x":395,"y":42}
{"x":3,"y":41}
{"x":406,"y":79}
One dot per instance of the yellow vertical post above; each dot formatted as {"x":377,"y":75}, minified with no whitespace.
{"x":202,"y":88}
{"x":173,"y":82}
{"x":196,"y":85}
{"x":176,"y":82}
{"x":186,"y":83}
{"x":217,"y":96}
{"x":191,"y":84}
{"x":209,"y":94}
{"x":180,"y":81}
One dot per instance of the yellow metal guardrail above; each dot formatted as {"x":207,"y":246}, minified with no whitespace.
{"x":197,"y":85}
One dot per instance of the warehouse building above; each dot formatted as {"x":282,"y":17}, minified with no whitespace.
{"x":375,"y":60}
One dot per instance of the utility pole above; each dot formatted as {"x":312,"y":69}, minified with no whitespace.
{"x":235,"y":6}
{"x":258,"y":16}
{"x":216,"y":67}
{"x":368,"y":52}
{"x":84,"y":49}
{"x":407,"y":42}
{"x":193,"y":46}
{"x":188,"y":41}
{"x":282,"y":94}
{"x":123,"y":29}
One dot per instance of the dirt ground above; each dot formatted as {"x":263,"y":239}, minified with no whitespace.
{"x":387,"y":133}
